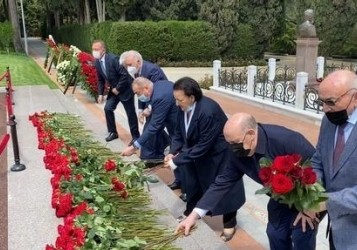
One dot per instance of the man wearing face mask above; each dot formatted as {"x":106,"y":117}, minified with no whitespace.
{"x":250,"y":142}
{"x":161,"y":101}
{"x":136,"y":66}
{"x":109,"y":70}
{"x":335,"y":160}
{"x":200,"y":151}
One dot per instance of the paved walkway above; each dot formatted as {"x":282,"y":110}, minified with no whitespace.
{"x":252,"y":217}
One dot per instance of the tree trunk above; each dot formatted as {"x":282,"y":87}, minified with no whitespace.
{"x":57,"y":19}
{"x":80,"y":13}
{"x":100,"y":10}
{"x":15,"y":25}
{"x":86,"y":12}
{"x":123,"y":16}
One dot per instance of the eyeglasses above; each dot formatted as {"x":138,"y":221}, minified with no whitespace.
{"x":332,"y":103}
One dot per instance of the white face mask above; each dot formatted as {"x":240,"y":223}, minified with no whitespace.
{"x":96,"y":54}
{"x":132,"y":71}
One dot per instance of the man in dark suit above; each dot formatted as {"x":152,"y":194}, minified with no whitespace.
{"x":110,"y":71}
{"x":251,"y":142}
{"x":200,"y":151}
{"x":136,"y":66}
{"x":335,"y":160}
{"x":163,"y":114}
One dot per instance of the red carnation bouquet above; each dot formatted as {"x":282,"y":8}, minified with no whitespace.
{"x":290,"y":182}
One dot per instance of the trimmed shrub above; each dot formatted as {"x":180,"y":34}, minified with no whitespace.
{"x":167,"y":40}
{"x":244,"y":44}
{"x":6,"y":32}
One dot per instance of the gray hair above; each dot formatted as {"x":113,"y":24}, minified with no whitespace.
{"x":130,"y":53}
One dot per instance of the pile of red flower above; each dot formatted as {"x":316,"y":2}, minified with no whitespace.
{"x":88,"y":72}
{"x":291,"y":183}
{"x":60,"y":158}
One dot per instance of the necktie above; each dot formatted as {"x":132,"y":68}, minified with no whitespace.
{"x":188,"y":115}
{"x":102,"y":63}
{"x":340,"y":144}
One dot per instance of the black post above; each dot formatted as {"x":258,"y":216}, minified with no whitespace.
{"x":17,"y":166}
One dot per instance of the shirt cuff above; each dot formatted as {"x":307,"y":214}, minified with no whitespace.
{"x":136,"y":145}
{"x":201,"y":212}
{"x":172,"y":165}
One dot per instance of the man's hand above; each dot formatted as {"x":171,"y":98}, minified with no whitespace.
{"x":167,"y":159}
{"x":141,"y":117}
{"x":115,"y":91}
{"x":128,"y":151}
{"x":146,"y":112}
{"x":307,"y":217}
{"x":187,"y":223}
{"x":100,"y":99}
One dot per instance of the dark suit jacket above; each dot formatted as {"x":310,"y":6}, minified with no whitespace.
{"x":116,"y":75}
{"x":205,"y":150}
{"x":152,"y":72}
{"x":273,"y":141}
{"x":164,"y":111}
{"x":341,"y":184}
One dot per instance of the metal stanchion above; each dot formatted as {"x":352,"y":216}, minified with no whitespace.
{"x":17,"y":166}
{"x":12,"y":123}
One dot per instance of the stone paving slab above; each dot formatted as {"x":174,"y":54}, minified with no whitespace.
{"x":32,"y":222}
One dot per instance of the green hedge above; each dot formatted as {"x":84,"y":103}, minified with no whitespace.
{"x":6,"y":33}
{"x":168,"y":40}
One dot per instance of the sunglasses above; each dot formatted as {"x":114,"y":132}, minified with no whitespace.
{"x":331,"y":103}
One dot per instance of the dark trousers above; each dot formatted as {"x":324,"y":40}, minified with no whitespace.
{"x":154,"y":148}
{"x":110,"y":106}
{"x":285,"y":236}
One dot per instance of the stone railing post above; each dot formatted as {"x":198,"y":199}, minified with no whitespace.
{"x":252,"y":73}
{"x":216,"y":69}
{"x":320,"y":67}
{"x":272,"y":69}
{"x":301,"y":81}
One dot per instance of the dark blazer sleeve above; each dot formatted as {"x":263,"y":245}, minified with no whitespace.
{"x":177,"y":140}
{"x":160,"y":109}
{"x":101,"y":79}
{"x":123,"y":80}
{"x":225,"y":182}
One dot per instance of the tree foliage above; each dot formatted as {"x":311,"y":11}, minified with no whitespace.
{"x":265,"y":17}
{"x":223,"y":16}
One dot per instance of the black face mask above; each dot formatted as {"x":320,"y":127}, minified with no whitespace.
{"x":239,"y":150}
{"x":338,"y":117}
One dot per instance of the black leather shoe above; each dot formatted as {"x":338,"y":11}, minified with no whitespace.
{"x":152,"y":164}
{"x":174,"y":185}
{"x":111,"y":136}
{"x":183,"y":197}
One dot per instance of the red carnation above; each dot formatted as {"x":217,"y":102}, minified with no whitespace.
{"x":265,"y":175}
{"x":281,"y":184}
{"x":110,"y":165}
{"x":117,"y":185}
{"x":308,"y":176}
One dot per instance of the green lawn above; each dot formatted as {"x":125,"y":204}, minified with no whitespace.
{"x":24,"y":71}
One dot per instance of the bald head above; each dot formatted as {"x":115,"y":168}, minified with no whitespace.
{"x":238,"y":125}
{"x":340,"y":87}
{"x":241,"y":128}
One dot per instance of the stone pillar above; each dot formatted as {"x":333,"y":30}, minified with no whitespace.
{"x":216,"y":70}
{"x":320,"y":67}
{"x":272,"y":69}
{"x":252,"y":73}
{"x":306,"y":56}
{"x":301,"y":82}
